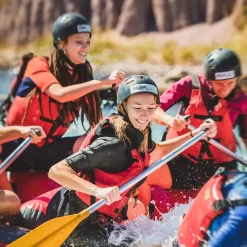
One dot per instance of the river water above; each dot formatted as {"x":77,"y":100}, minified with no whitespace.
{"x":145,"y":232}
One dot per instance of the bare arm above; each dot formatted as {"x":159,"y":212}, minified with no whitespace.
{"x":177,"y":123}
{"x":161,"y":117}
{"x":73,"y":92}
{"x":10,"y":133}
{"x":63,"y":174}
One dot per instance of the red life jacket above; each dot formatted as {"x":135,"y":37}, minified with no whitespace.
{"x":198,"y":112}
{"x":38,"y":108}
{"x":192,"y":231}
{"x":104,"y":179}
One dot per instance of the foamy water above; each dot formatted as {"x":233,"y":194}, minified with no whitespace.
{"x":150,"y":233}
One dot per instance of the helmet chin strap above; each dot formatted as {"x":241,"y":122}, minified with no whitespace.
{"x":125,"y":115}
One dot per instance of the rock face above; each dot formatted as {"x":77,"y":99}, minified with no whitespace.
{"x":24,"y":20}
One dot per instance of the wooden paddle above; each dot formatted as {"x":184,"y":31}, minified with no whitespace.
{"x":56,"y":231}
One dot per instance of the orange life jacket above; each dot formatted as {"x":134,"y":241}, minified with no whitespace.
{"x":104,"y":179}
{"x":198,"y":112}
{"x":193,"y":229}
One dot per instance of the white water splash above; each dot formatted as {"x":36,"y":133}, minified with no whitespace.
{"x":150,"y":233}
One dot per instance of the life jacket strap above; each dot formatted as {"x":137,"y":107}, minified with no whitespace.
{"x":227,"y":203}
{"x":204,"y":117}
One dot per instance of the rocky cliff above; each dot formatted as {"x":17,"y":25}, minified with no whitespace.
{"x":23,"y":20}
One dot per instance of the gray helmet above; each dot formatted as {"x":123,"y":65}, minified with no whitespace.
{"x":222,"y":64}
{"x":68,"y":24}
{"x":136,"y":84}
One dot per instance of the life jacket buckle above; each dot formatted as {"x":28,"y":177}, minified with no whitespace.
{"x":222,"y":204}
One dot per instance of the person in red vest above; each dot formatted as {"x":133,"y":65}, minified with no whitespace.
{"x":10,"y":202}
{"x":55,"y":91}
{"x":215,"y":94}
{"x":117,"y":150}
{"x":218,"y":215}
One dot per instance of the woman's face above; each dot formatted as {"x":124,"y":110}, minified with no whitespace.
{"x":77,"y":47}
{"x":140,"y":108}
{"x":223,"y":88}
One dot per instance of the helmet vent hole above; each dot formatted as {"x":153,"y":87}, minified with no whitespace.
{"x":210,"y":61}
{"x":209,"y":55}
{"x":128,"y":81}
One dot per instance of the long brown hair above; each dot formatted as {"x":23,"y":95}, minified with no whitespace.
{"x":81,"y":73}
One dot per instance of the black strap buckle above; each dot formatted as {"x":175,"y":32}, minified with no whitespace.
{"x":222,"y":204}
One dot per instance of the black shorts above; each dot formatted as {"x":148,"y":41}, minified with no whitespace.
{"x":38,"y":158}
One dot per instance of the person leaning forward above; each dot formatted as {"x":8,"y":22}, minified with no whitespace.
{"x":117,"y":150}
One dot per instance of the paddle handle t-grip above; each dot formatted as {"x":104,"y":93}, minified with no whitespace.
{"x":15,"y":154}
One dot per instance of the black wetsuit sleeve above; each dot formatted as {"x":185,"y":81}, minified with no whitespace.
{"x":105,"y":153}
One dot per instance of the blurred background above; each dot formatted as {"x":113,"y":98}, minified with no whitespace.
{"x":165,"y":39}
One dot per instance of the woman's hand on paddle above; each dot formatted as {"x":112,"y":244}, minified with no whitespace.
{"x":36,"y":132}
{"x":110,"y":194}
{"x":177,"y":123}
{"x":209,"y":126}
{"x":116,"y":77}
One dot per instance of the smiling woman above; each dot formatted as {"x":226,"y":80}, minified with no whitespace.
{"x":117,"y":150}
{"x":141,"y":108}
{"x":76,"y":47}
{"x":54,"y":91}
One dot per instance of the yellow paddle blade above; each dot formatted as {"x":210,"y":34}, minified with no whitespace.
{"x":52,"y":233}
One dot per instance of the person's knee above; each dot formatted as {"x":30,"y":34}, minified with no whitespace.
{"x":10,"y":203}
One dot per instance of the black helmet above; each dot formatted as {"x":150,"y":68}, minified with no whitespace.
{"x":222,"y":64}
{"x":68,"y":24}
{"x":136,"y":84}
